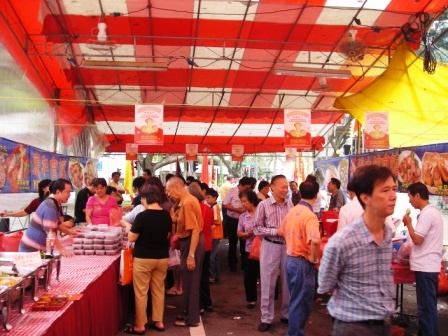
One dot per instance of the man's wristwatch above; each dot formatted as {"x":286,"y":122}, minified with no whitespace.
{"x":191,"y":255}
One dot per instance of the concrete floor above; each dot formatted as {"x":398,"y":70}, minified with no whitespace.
{"x":231,"y":317}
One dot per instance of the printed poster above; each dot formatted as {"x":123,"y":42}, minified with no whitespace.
{"x":237,"y":153}
{"x":333,"y":168}
{"x":291,"y":154}
{"x":376,"y":130}
{"x":148,"y":125}
{"x":131,"y":151}
{"x":191,"y":152}
{"x":15,"y":167}
{"x":298,"y":128}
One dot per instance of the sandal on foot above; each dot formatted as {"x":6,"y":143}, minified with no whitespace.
{"x":173,"y":292}
{"x":132,"y":331}
{"x":154,"y":326}
{"x":180,"y":317}
{"x":184,"y":324}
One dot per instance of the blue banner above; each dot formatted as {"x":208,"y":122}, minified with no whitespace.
{"x":23,"y":167}
{"x":15,"y":167}
{"x":426,"y":164}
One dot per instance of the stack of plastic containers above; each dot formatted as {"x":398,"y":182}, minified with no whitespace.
{"x":98,"y":240}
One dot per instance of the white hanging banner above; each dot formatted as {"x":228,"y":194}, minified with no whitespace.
{"x":298,"y":129}
{"x":376,"y":130}
{"x":291,"y":154}
{"x":148,"y":124}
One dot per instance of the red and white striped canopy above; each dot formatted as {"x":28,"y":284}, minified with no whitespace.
{"x":219,"y":88}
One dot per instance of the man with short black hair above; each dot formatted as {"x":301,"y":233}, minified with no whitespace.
{"x":116,"y":183}
{"x":234,"y":209}
{"x":302,"y":236}
{"x":356,"y":262}
{"x":81,"y":201}
{"x":426,"y":256}
{"x":146,"y":174}
{"x":337,"y":199}
{"x":295,"y":192}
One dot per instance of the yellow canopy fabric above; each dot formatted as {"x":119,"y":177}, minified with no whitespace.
{"x":416,"y":101}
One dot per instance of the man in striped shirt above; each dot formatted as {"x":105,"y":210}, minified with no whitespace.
{"x":356,"y":265}
{"x":270,"y":214}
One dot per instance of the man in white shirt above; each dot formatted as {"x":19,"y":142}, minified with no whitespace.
{"x":426,"y":256}
{"x":353,"y":210}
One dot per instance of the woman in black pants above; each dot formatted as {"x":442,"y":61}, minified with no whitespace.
{"x":249,"y":201}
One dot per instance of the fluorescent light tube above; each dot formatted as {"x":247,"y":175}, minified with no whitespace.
{"x":123,"y":65}
{"x":310,"y":72}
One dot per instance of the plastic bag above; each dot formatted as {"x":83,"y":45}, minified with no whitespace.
{"x":126,"y":261}
{"x":115,"y":216}
{"x":10,"y":242}
{"x":175,"y":242}
{"x":255,"y":248}
{"x":174,"y":258}
{"x":404,"y":253}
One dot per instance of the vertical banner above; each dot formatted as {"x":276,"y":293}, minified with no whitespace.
{"x":148,"y":124}
{"x":90,"y":171}
{"x":131,"y":151}
{"x":191,"y":152}
{"x":376,"y":130}
{"x":291,"y":154}
{"x":298,"y":128}
{"x":15,"y":167}
{"x":237,"y":153}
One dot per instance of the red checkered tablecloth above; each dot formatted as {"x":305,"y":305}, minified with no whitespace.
{"x":77,"y":273}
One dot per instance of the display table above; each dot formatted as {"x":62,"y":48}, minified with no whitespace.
{"x":99,"y":311}
{"x":402,"y":275}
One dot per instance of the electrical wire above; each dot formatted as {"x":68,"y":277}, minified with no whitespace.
{"x":429,"y":57}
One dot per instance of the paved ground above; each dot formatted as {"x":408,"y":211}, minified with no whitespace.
{"x":231,"y":317}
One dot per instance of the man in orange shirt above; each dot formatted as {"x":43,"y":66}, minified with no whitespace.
{"x":301,"y":231}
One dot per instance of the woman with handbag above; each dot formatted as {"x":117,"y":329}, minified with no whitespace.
{"x":150,"y":231}
{"x":249,"y":201}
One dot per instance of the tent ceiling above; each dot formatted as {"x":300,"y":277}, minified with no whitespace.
{"x":232,"y":97}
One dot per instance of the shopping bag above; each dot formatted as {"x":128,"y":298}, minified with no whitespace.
{"x":255,"y":248}
{"x":126,"y":261}
{"x":174,"y":258}
{"x":442,"y":288}
{"x":115,"y":216}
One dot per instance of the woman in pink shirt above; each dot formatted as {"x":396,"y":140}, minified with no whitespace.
{"x":99,"y":205}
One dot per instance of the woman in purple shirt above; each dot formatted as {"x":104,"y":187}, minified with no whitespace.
{"x":249,"y":201}
{"x":99,"y":205}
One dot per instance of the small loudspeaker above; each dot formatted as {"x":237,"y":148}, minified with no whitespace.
{"x":347,"y":149}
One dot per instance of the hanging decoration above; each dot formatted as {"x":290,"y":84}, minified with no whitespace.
{"x":131,"y":151}
{"x":376,"y":130}
{"x":191,"y":152}
{"x":148,"y":125}
{"x":237,"y":153}
{"x":298,"y":129}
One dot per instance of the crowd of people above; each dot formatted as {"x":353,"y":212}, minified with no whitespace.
{"x":184,"y":214}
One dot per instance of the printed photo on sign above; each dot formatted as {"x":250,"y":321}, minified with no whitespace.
{"x":298,"y":128}
{"x":191,"y":152}
{"x":237,"y":153}
{"x":148,"y":124}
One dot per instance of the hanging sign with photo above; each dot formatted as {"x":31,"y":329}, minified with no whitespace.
{"x":191,"y":152}
{"x":376,"y":130}
{"x":131,"y":151}
{"x":148,"y":124}
{"x":298,"y":129}
{"x":237,"y":153}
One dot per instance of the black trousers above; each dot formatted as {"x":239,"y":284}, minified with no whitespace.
{"x":232,"y":226}
{"x":205,"y":299}
{"x":251,"y":272}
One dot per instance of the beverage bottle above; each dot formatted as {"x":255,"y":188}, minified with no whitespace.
{"x":51,"y":237}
